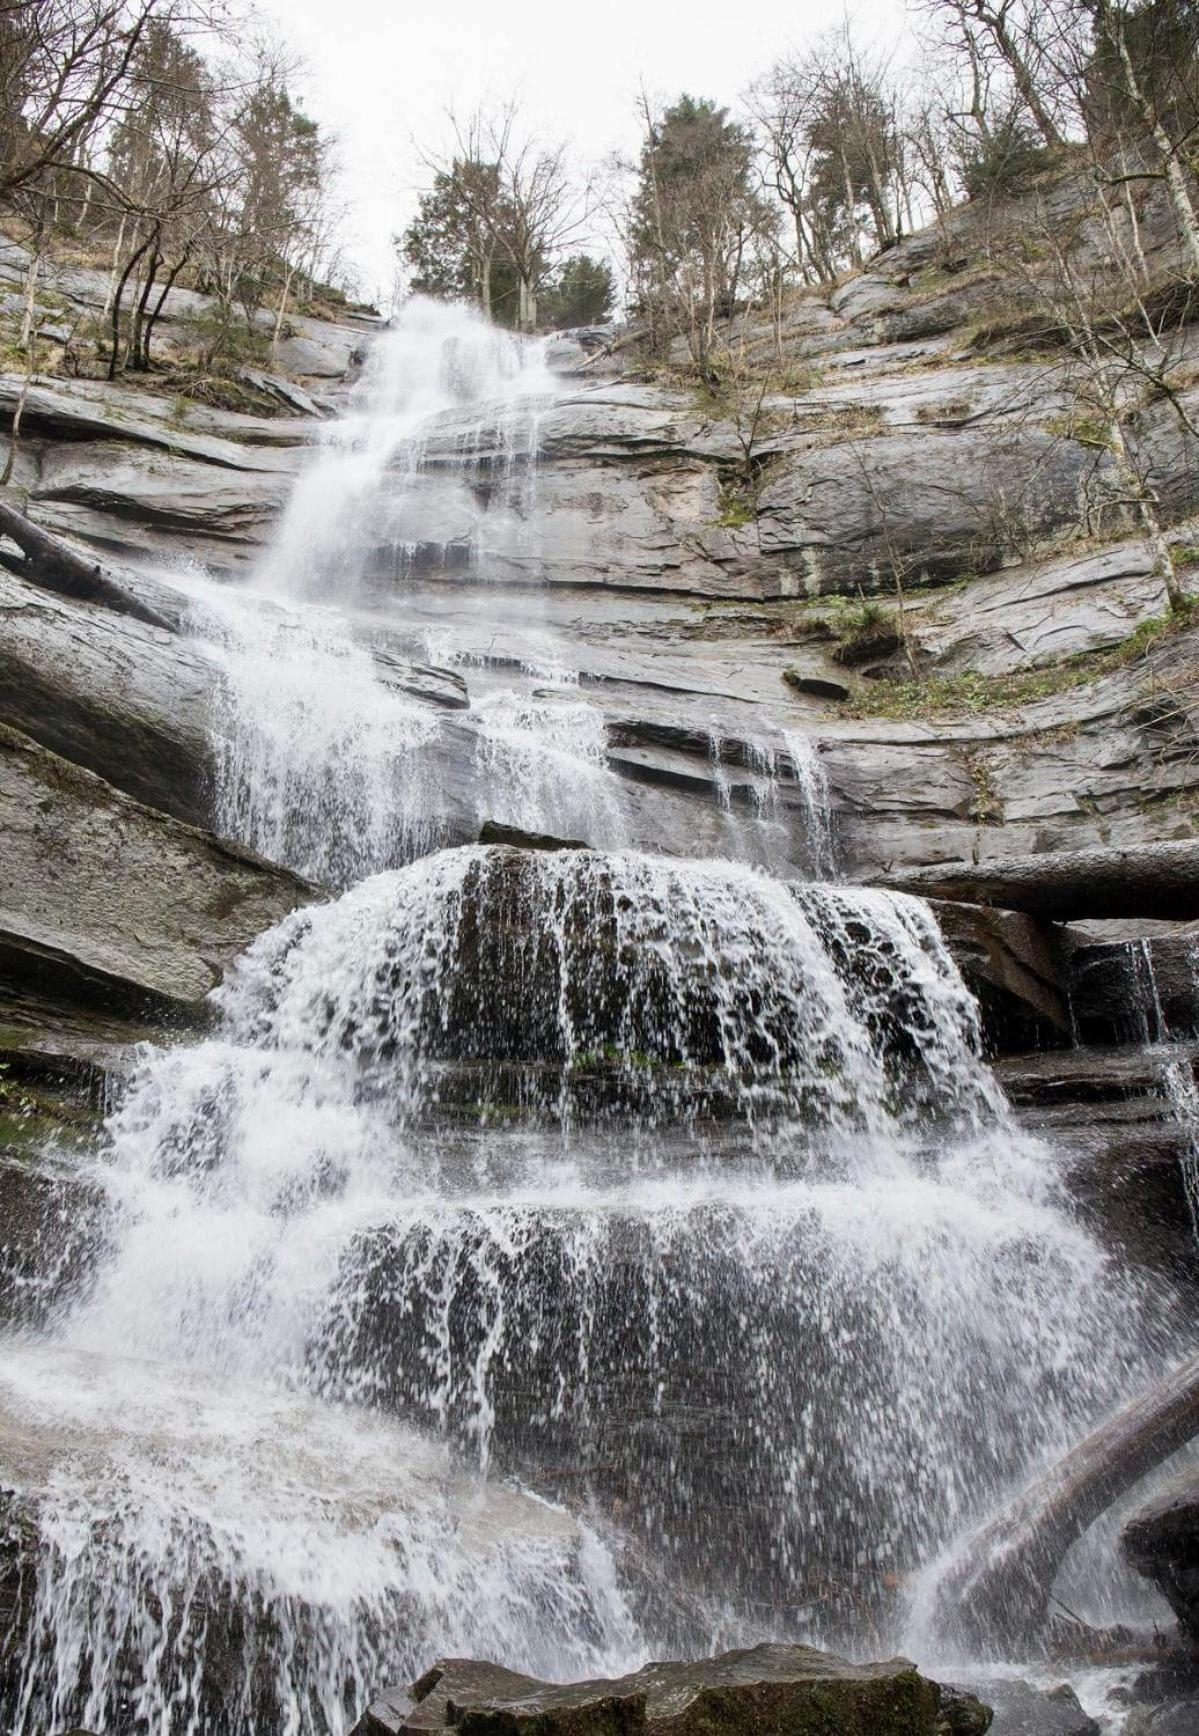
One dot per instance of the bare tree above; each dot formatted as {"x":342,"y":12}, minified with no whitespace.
{"x":1013,"y":30}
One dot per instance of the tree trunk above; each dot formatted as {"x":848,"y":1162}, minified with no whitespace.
{"x":1176,"y":182}
{"x":58,"y":567}
{"x":279,"y":315}
{"x":999,"y":1594}
{"x":167,"y":287}
{"x":27,"y":343}
{"x":1140,"y":880}
{"x":143,"y":301}
{"x":1023,"y":79}
{"x":112,"y":275}
{"x":116,"y":307}
{"x":31,"y":276}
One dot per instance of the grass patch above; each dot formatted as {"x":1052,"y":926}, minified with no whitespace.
{"x":736,"y":507}
{"x":971,"y":692}
{"x":836,"y":617}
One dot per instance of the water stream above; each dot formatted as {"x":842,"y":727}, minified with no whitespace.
{"x":556,"y":1257}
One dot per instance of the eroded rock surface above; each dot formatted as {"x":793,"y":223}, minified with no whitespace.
{"x":111,"y":904}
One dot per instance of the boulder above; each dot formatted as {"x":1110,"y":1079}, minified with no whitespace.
{"x":1162,"y":1542}
{"x":110,"y":905}
{"x":768,"y":1688}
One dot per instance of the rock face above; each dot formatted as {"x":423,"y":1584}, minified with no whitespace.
{"x":910,"y":442}
{"x":109,"y":904}
{"x":1162,"y":1542}
{"x":1137,"y":989}
{"x":769,"y":1688}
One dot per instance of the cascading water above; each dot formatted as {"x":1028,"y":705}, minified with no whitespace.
{"x":532,"y":1231}
{"x":321,"y":763}
{"x":754,"y":1260}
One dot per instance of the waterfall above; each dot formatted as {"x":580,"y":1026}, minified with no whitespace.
{"x":561,"y":1256}
{"x":749,"y":1173}
{"x":320,"y":763}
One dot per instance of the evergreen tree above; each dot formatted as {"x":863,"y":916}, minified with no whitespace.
{"x":582,"y":294}
{"x":693,"y":214}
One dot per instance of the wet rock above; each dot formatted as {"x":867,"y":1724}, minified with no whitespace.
{"x":1019,"y":1709}
{"x":1136,"y":990}
{"x":1012,"y":966}
{"x":1177,"y":1718}
{"x":1162,"y":1542}
{"x":492,"y":832}
{"x":111,"y":905}
{"x":127,"y":700}
{"x":133,"y":702}
{"x":771,"y":1687}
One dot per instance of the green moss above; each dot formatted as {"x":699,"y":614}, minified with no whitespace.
{"x":736,"y":507}
{"x":1086,"y":431}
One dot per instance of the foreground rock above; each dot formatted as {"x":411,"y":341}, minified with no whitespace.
{"x":1162,"y":1542}
{"x":769,"y":1688}
{"x":110,"y":905}
{"x":1160,"y":881}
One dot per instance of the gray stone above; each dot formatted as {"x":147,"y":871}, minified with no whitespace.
{"x":1029,"y":616}
{"x":942,"y":504}
{"x":109,"y":904}
{"x":1012,"y":966}
{"x":1176,"y":1718}
{"x":1136,"y":990}
{"x":769,"y":1687}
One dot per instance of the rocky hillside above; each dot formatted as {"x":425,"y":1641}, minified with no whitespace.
{"x":895,"y":533}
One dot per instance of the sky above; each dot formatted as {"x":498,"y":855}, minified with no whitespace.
{"x":381,"y":74}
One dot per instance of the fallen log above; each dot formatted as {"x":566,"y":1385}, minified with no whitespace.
{"x":996,"y":1595}
{"x":1141,"y":880}
{"x":55,"y":566}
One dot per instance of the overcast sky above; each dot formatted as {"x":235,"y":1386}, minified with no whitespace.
{"x":381,"y":73}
